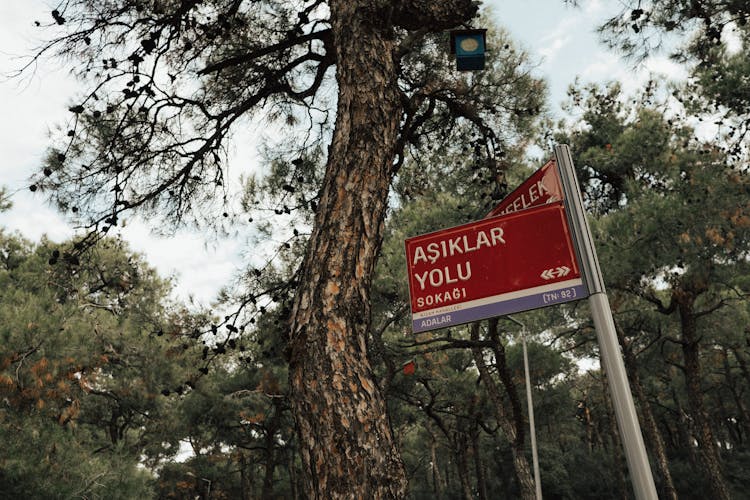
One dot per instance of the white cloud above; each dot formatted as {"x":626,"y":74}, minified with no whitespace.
{"x":730,"y":36}
{"x":553,"y":47}
{"x":39,"y":100}
{"x":557,"y":38}
{"x":29,"y":104}
{"x":593,"y":8}
{"x":608,"y":67}
{"x":604,"y":66}
{"x":32,"y":218}
{"x":662,"y":65}
{"x":199,"y":268}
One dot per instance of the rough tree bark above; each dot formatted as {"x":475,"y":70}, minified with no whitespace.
{"x":461,"y":449}
{"x":478,"y":465}
{"x":733,"y":384}
{"x":512,"y":426}
{"x":347,"y":444}
{"x":685,"y":432}
{"x":246,"y":487}
{"x":654,"y":437}
{"x":707,"y":452}
{"x":438,"y":485}
{"x":272,"y":426}
{"x":161,"y":148}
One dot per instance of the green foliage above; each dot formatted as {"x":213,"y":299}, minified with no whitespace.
{"x":5,"y":202}
{"x":670,"y":216}
{"x":672,"y":236}
{"x":711,"y":38}
{"x":40,"y":459}
{"x":82,"y":368}
{"x":676,"y":199}
{"x":103,"y":381}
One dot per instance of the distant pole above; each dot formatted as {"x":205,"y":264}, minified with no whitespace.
{"x":530,"y":404}
{"x":622,"y":398}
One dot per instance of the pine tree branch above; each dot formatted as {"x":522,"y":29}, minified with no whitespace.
{"x":435,"y":16}
{"x":324,"y":35}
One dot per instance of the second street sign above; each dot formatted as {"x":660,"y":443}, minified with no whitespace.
{"x":543,"y":186}
{"x":492,"y":267}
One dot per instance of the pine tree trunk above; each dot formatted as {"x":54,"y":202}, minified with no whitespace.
{"x":269,"y":454}
{"x":653,"y":436}
{"x":738,"y":429}
{"x":743,"y":368}
{"x":743,"y":364}
{"x":707,"y":452}
{"x":293,"y":482}
{"x":246,"y":489}
{"x":347,"y":444}
{"x":523,"y":475}
{"x":478,"y":465}
{"x":437,"y":481}
{"x":512,"y":427}
{"x":505,"y":483}
{"x":685,"y":432}
{"x":462,"y":464}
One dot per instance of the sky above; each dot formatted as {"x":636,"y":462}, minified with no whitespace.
{"x":559,"y":38}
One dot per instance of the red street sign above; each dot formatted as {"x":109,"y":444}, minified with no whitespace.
{"x":541,"y":188}
{"x":492,"y":267}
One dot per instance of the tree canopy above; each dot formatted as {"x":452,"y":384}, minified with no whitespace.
{"x":304,"y":381}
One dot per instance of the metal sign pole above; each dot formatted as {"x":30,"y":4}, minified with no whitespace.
{"x":622,"y":398}
{"x":530,"y":404}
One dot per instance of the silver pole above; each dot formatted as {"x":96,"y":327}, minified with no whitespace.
{"x":530,"y":404}
{"x":622,"y":398}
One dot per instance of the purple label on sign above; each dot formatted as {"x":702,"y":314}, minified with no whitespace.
{"x":499,"y":305}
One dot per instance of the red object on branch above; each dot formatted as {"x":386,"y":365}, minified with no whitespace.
{"x":410,"y":367}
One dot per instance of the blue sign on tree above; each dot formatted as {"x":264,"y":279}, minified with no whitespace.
{"x":469,"y":47}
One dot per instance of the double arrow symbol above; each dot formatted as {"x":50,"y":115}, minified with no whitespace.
{"x":559,"y":272}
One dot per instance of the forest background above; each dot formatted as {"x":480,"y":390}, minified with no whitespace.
{"x":115,"y":386}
